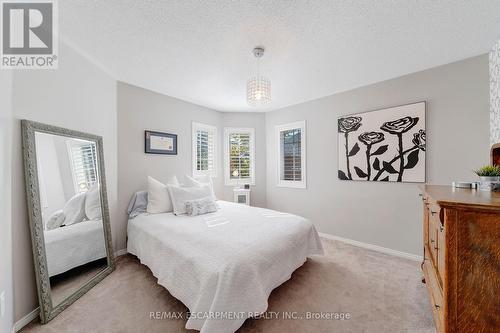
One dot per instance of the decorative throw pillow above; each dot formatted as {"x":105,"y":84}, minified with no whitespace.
{"x":180,"y":195}
{"x":158,"y":196}
{"x":74,"y":209}
{"x":93,"y":203}
{"x":55,"y":220}
{"x":201,"y":206}
{"x":200,"y":181}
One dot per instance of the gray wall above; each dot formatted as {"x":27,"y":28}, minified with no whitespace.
{"x":141,"y":109}
{"x":6,"y":282}
{"x":78,"y":96}
{"x":387,"y":214}
{"x":138,"y":110}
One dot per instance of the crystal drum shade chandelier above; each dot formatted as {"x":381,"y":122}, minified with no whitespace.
{"x":258,"y":87}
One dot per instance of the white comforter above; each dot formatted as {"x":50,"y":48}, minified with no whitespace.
{"x":225,"y":263}
{"x":74,"y":245}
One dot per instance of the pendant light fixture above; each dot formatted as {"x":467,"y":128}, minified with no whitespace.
{"x":258,"y":87}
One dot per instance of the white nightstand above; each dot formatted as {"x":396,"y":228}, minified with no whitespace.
{"x":242,"y":196}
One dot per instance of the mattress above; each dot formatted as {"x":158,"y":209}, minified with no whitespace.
{"x":74,"y":245}
{"x":223,"y":265}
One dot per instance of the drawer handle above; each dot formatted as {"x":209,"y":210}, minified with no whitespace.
{"x":441,"y":228}
{"x":433,"y":213}
{"x":433,"y":241}
{"x":437,"y":307}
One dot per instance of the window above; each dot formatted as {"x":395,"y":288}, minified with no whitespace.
{"x":291,"y":148}
{"x":204,"y":149}
{"x":83,"y":161}
{"x":239,"y":156}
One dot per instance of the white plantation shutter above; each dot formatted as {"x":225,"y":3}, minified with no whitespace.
{"x":291,"y":155}
{"x":291,"y":145}
{"x":239,"y":156}
{"x":84,"y":165}
{"x":204,"y":149}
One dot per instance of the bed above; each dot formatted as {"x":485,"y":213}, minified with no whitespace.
{"x":74,"y":245}
{"x":222,"y":265}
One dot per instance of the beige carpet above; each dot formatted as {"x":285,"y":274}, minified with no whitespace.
{"x":380,"y":292}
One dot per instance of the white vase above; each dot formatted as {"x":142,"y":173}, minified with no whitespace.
{"x":489,"y":183}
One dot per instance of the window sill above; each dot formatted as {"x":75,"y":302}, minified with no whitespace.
{"x":291,"y":184}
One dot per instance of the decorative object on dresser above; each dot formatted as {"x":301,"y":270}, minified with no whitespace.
{"x":242,"y":196}
{"x":462,"y":258}
{"x":469,"y":185}
{"x":68,"y":213}
{"x":383,"y":145}
{"x":160,"y":143}
{"x":490,"y":178}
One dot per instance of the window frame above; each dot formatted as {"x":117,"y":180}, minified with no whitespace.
{"x":70,"y":145}
{"x":227,"y":169}
{"x":303,"y":143}
{"x":210,"y":128}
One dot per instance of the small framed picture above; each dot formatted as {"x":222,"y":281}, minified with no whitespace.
{"x":160,"y":143}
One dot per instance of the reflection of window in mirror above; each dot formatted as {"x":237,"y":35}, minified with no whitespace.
{"x":82,"y":155}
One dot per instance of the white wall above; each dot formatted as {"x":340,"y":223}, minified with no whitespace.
{"x":78,"y":96}
{"x":495,"y":94}
{"x":386,"y":214}
{"x":52,"y":196}
{"x":6,"y":282}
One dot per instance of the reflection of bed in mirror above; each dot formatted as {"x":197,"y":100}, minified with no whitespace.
{"x":68,"y":210}
{"x":74,"y":245}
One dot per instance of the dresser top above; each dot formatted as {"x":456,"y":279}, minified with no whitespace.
{"x":450,"y":196}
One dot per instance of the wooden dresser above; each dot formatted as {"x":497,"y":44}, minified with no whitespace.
{"x":462,"y":258}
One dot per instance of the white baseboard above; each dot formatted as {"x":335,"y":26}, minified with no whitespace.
{"x":372,"y":247}
{"x":120,"y":252}
{"x":25,"y":320}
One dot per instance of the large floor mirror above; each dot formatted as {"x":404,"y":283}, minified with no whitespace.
{"x":68,"y":213}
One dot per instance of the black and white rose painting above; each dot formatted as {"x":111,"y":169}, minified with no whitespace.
{"x":383,"y":145}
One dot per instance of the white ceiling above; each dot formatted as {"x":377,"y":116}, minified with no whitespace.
{"x":200,"y":51}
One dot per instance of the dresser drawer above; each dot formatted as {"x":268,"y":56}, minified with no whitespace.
{"x":433,"y":238}
{"x":441,"y":251}
{"x":435,"y":295}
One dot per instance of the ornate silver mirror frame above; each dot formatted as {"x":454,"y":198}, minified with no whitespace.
{"x":47,"y":310}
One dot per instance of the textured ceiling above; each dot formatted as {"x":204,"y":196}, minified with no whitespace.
{"x":200,"y":51}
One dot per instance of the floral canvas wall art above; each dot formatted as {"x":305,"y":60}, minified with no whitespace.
{"x":383,"y":145}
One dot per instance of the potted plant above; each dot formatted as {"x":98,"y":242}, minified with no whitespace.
{"x":490,"y":177}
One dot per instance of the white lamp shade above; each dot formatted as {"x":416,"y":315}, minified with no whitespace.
{"x":258,"y":91}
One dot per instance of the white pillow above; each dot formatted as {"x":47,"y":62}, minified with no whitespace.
{"x":55,"y":220}
{"x":93,"y":203}
{"x":74,"y":209}
{"x":200,"y":181}
{"x":180,"y":195}
{"x":158,"y":196}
